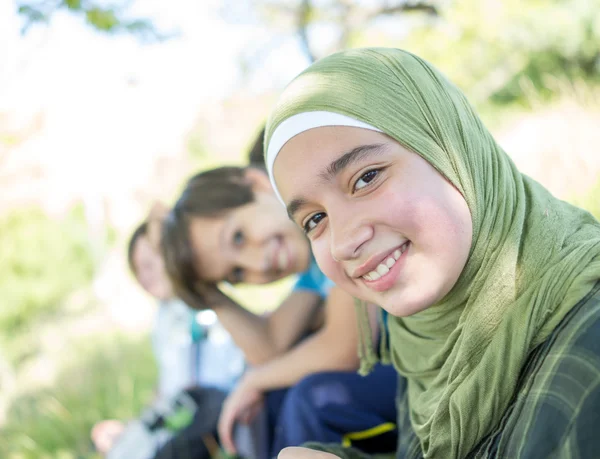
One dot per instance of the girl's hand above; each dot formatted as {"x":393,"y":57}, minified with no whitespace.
{"x":304,"y":453}
{"x":240,"y":406}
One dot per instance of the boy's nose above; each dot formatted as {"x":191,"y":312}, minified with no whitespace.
{"x":253,"y":258}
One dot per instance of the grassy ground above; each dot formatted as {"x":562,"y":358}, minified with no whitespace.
{"x":112,"y":377}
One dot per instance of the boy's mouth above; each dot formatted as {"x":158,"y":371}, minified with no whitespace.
{"x":281,"y":258}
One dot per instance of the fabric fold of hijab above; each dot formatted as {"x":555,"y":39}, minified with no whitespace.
{"x":533,"y":257}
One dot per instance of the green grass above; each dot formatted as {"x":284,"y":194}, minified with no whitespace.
{"x":43,"y":260}
{"x":112,"y":378}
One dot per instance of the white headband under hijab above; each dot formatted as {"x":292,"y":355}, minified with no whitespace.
{"x":299,"y":123}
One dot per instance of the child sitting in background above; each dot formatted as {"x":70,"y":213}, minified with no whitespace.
{"x":183,"y":350}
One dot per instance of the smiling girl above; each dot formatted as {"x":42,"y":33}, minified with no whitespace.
{"x":409,"y":203}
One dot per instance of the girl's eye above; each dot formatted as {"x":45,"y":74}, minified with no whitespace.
{"x":365,"y":179}
{"x":238,"y":238}
{"x":313,"y":221}
{"x":237,"y":275}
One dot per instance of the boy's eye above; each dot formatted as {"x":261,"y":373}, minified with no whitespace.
{"x":313,"y":221}
{"x":365,"y":179}
{"x":238,"y":238}
{"x":237,"y":275}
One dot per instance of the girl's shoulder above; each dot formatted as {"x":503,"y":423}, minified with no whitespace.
{"x":555,"y":408}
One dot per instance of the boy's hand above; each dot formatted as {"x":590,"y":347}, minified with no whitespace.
{"x":212,"y":295}
{"x":240,"y":406}
{"x":105,"y":433}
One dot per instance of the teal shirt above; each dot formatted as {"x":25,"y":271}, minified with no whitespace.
{"x":314,"y":280}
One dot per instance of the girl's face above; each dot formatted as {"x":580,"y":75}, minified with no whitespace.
{"x":150,"y":270}
{"x":255,"y":243}
{"x":383,"y":224}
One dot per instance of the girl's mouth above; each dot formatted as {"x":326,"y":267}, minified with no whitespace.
{"x":384,"y":275}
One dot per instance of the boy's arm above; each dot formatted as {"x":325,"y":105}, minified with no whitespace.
{"x":332,"y":348}
{"x":262,"y":338}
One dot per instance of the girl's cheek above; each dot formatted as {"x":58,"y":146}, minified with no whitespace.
{"x":325,"y":261}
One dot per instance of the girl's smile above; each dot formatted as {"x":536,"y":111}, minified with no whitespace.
{"x":383,"y":276}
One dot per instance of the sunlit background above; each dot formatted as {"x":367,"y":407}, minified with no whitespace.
{"x":106,"y":106}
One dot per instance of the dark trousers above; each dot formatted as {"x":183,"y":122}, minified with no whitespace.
{"x":336,"y":407}
{"x":190,"y":442}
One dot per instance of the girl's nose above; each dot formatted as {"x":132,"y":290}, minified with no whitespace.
{"x":348,"y":238}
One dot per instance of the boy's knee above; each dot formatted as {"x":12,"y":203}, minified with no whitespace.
{"x":317,"y":391}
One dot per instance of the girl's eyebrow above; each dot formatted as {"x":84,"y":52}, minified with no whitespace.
{"x":294,"y":206}
{"x":336,"y":167}
{"x":351,"y":157}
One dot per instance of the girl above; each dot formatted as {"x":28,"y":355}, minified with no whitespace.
{"x":409,"y":203}
{"x":228,"y":226}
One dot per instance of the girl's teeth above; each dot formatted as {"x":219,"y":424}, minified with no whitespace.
{"x":385,"y":266}
{"x":374,"y":275}
{"x":382,"y":269}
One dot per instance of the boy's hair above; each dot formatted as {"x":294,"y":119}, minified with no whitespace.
{"x":256,"y":155}
{"x":207,"y":194}
{"x":139,"y":232}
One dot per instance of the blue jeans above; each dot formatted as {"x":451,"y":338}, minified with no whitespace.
{"x":336,"y":407}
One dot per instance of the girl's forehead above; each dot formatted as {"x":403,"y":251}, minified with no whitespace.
{"x":303,"y":123}
{"x":326,"y":144}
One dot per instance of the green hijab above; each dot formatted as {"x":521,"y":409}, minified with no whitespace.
{"x":533,"y":257}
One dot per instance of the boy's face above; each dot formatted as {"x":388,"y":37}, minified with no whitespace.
{"x":255,"y":243}
{"x":150,"y":270}
{"x":383,"y":224}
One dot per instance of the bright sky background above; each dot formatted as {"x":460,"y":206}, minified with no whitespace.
{"x":68,"y":56}
{"x":110,"y":104}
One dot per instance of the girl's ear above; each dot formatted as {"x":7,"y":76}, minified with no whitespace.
{"x":259,"y":180}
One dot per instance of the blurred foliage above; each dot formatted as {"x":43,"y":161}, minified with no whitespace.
{"x":102,"y":16}
{"x":591,"y":201}
{"x":113,"y":377}
{"x":43,"y":260}
{"x":502,"y":51}
{"x":196,"y":147}
{"x":343,"y":22}
{"x":496,"y":51}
